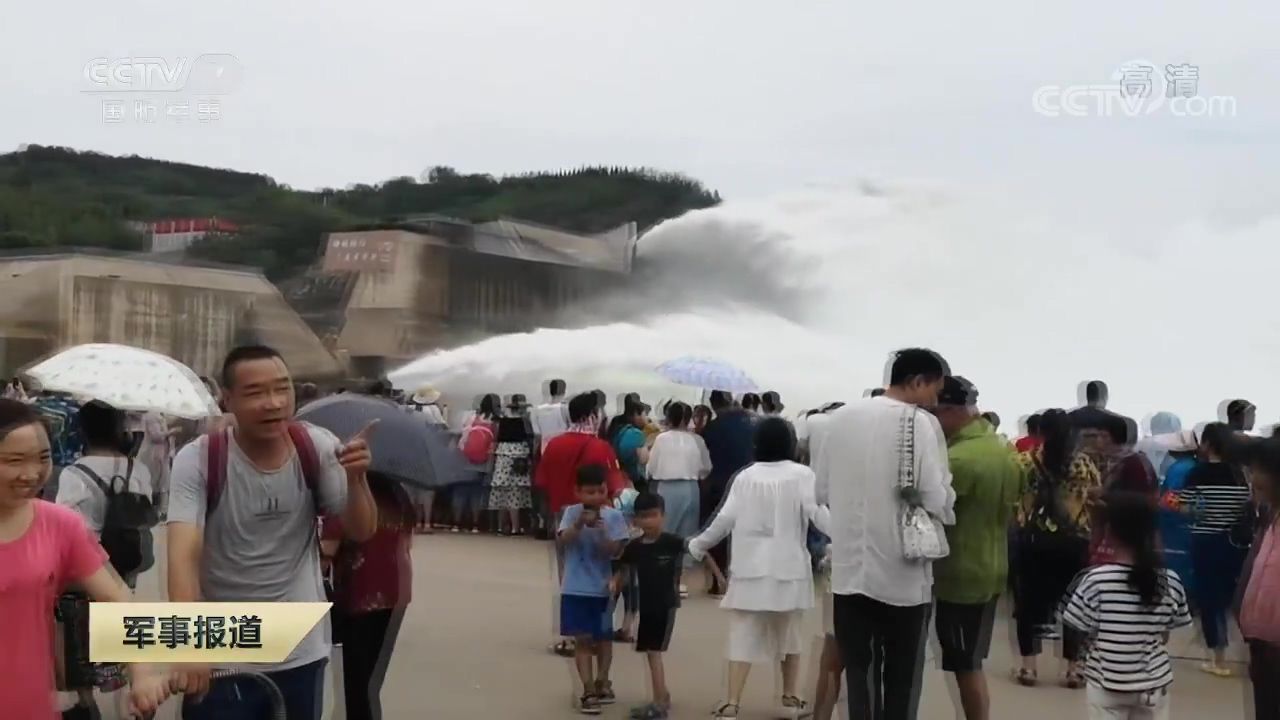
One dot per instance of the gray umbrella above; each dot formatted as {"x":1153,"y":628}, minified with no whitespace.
{"x":404,"y":445}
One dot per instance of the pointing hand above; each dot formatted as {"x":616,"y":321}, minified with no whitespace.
{"x":354,"y":455}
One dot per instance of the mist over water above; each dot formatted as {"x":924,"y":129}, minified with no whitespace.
{"x":810,"y":291}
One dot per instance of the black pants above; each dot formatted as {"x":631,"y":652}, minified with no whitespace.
{"x":883,"y":650}
{"x":712,"y":495}
{"x":1044,"y":574}
{"x":1264,"y":673}
{"x":369,"y":639}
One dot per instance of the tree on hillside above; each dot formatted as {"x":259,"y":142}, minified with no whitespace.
{"x":56,"y":197}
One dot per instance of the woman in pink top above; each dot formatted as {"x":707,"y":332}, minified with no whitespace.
{"x":44,"y":548}
{"x":1259,"y":608}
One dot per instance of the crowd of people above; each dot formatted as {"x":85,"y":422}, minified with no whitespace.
{"x":888,"y":512}
{"x":916,"y":509}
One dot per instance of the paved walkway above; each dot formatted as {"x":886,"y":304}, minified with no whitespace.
{"x":474,"y":644}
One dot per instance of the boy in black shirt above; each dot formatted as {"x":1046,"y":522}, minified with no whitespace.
{"x":656,"y":557}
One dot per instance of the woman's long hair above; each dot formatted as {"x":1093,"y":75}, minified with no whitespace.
{"x":1131,"y":523}
{"x":490,"y":407}
{"x":631,"y":406}
{"x":1059,"y":446}
{"x":678,"y":415}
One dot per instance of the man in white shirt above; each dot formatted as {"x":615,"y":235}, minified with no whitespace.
{"x":548,"y":421}
{"x":551,"y":418}
{"x":882,"y":600}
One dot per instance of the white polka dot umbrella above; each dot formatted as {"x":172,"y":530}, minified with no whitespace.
{"x":127,"y":378}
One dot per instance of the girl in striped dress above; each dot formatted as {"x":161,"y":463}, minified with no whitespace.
{"x":1128,"y":606}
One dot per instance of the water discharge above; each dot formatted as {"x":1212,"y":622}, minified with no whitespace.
{"x":810,"y":291}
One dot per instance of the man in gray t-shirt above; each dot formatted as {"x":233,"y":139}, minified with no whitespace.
{"x":259,"y":543}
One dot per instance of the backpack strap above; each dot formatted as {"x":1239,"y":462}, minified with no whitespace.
{"x":309,"y":459}
{"x":216,"y":470}
{"x":97,"y":479}
{"x":216,"y":474}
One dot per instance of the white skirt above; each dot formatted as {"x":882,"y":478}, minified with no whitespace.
{"x":762,"y":636}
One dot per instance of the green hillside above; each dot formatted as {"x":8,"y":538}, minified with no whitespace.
{"x":57,"y":197}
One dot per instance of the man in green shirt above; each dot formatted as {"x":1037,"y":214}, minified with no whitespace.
{"x":967,"y":583}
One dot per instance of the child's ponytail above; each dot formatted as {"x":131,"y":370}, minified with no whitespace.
{"x":1131,"y":522}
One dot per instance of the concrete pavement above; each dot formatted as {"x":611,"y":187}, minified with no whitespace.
{"x":474,"y":644}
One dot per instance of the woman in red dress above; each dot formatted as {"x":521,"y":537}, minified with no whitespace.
{"x":372,"y":584}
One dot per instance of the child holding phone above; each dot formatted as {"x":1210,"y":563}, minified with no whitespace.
{"x":592,"y":534}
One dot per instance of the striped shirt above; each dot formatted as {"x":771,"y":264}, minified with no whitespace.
{"x":1216,"y":495}
{"x":1128,"y":652}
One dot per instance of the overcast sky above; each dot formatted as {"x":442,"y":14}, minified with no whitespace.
{"x":758,"y":100}
{"x":751,"y":97}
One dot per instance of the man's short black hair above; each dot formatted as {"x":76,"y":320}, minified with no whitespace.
{"x":771,"y":401}
{"x":720,"y":400}
{"x":101,"y":425}
{"x":245,"y":353}
{"x":591,"y":476}
{"x":1236,"y":409}
{"x":557,"y":388}
{"x":775,"y":441}
{"x":912,"y":363}
{"x":1095,"y":391}
{"x":582,"y":406}
{"x":647,"y":501}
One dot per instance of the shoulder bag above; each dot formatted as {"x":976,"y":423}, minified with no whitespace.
{"x":923,"y":537}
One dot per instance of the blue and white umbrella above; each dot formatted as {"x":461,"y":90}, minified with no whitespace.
{"x":707,"y":374}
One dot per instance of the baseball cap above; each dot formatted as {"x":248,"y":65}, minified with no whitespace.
{"x":957,"y":392}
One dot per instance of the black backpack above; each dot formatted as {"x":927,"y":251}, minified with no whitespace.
{"x":126,"y":528}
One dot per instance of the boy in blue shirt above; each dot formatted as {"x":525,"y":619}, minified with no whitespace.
{"x":592,"y":534}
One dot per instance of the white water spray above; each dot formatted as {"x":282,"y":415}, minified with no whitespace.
{"x":809,"y":292}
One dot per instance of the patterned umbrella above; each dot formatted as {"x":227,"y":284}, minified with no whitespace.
{"x":404,"y":445}
{"x":127,"y":378}
{"x":707,"y":374}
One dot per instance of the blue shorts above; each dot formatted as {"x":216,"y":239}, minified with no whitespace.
{"x":585,"y":616}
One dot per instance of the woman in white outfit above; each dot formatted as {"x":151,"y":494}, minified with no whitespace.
{"x":768,"y":509}
{"x":678,"y":462}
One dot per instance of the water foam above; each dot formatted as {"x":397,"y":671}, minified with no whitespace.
{"x":809,"y":291}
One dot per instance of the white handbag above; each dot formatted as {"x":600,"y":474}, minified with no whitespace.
{"x":923,"y":537}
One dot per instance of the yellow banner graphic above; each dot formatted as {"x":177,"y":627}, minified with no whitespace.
{"x":212,"y":633}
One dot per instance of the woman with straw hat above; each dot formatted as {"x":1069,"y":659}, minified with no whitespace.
{"x":426,"y":400}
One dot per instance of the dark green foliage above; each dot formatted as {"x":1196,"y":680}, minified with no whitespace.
{"x":57,"y":197}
